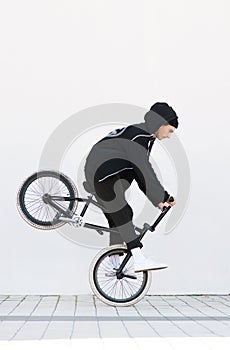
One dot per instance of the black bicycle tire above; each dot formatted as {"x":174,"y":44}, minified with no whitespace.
{"x":22,"y":191}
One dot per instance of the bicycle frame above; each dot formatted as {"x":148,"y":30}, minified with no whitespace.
{"x":89,"y":200}
{"x":68,"y":214}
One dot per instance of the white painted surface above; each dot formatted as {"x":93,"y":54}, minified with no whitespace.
{"x":58,"y":57}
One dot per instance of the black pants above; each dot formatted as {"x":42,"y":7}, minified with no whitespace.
{"x":110,"y":193}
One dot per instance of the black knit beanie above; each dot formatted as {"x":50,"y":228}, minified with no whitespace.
{"x":160,"y":114}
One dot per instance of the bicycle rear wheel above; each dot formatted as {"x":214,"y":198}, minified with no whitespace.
{"x":30,"y":201}
{"x":112,"y":290}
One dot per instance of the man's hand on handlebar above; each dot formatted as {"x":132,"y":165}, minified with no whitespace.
{"x":162,"y":205}
{"x":168,"y":203}
{"x":171,"y":201}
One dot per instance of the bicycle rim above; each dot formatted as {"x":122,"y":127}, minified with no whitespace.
{"x":30,"y":204}
{"x":114,"y":291}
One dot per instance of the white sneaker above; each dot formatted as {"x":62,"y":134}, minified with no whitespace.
{"x":141,"y":263}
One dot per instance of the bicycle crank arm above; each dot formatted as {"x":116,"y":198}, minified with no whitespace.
{"x":130,"y":276}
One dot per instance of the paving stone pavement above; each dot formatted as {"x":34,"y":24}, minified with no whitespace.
{"x":82,"y":321}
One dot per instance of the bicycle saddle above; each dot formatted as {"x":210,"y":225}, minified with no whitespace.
{"x":88,"y":187}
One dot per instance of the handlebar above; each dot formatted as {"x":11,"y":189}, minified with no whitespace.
{"x":160,"y":217}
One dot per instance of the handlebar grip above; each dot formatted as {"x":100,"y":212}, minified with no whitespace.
{"x":171,"y":199}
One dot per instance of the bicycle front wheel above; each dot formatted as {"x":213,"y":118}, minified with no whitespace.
{"x":124,"y":290}
{"x":30,"y":198}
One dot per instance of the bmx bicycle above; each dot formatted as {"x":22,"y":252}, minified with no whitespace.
{"x":49,"y":199}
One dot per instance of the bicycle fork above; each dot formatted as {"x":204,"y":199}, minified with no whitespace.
{"x":119,"y":272}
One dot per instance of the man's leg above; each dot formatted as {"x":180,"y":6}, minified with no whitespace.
{"x":115,"y":238}
{"x":111,"y":194}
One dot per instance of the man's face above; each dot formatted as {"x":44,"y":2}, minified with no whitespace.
{"x":165,"y":131}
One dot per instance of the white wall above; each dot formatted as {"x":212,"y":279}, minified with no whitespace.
{"x":58,"y":57}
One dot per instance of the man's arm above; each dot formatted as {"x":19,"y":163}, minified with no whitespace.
{"x":144,"y":173}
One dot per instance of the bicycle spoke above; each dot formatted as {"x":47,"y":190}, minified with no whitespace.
{"x":35,"y":209}
{"x":37,"y":184}
{"x":52,"y":185}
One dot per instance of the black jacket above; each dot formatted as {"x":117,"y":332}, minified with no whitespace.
{"x":126,"y":150}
